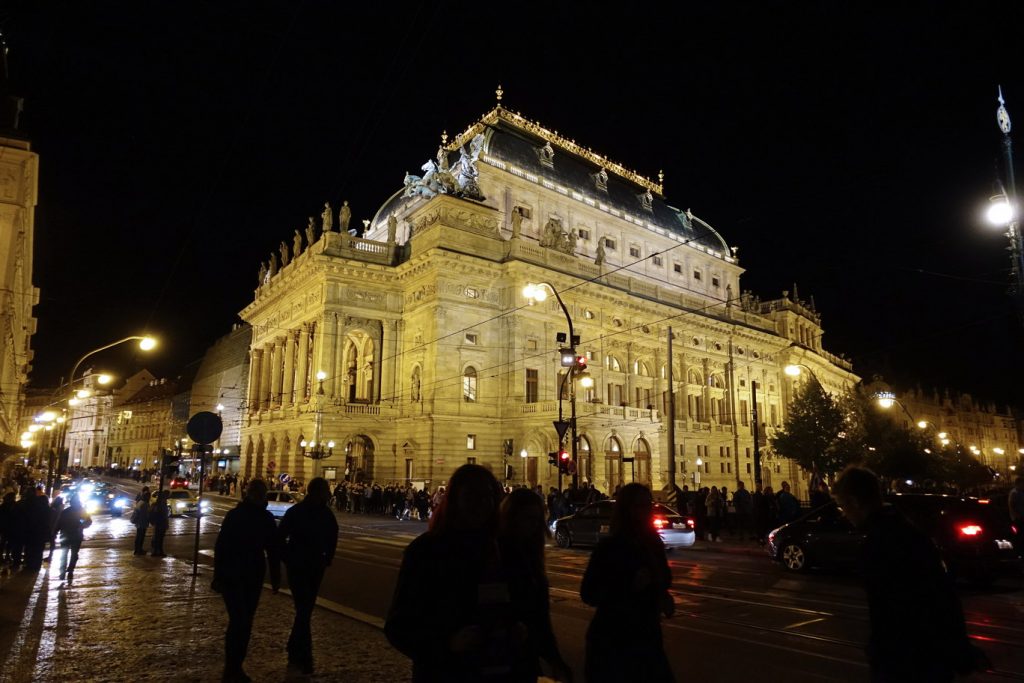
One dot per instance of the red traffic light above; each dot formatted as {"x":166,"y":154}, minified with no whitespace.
{"x":581,"y":362}
{"x":563,"y":455}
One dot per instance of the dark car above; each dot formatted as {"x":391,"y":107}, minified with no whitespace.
{"x":100,"y":499}
{"x":972,"y":534}
{"x":593,"y":522}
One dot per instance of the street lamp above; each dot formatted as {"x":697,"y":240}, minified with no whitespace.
{"x":536,"y":293}
{"x":146,"y":343}
{"x":1002,"y":211}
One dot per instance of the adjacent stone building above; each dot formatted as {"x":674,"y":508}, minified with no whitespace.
{"x":414,"y":350}
{"x":220,"y":387}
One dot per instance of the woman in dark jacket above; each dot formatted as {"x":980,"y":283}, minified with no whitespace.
{"x":521,"y":537}
{"x":628,"y":581}
{"x":451,"y":612}
{"x":159,"y":517}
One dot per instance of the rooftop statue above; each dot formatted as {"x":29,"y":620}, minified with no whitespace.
{"x":311,"y":232}
{"x":328,"y":217}
{"x":297,"y":244}
{"x":517,"y":222}
{"x":273,"y":265}
{"x":392,"y":228}
{"x":440,"y":180}
{"x":599,"y":259}
{"x":344,"y":216}
{"x":284,"y":254}
{"x":262,"y":277}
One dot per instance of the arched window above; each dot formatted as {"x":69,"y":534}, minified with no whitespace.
{"x":612,"y":363}
{"x":469,"y":385}
{"x":693,"y":377}
{"x":414,"y":385}
{"x":716,"y":382}
{"x":640,"y":368}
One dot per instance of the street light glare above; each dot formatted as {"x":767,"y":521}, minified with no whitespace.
{"x":321,"y":375}
{"x":83,"y":393}
{"x":885,"y":402}
{"x":47,"y":416}
{"x":147,"y":344}
{"x":943,"y":435}
{"x":104,"y":379}
{"x":792,"y":370}
{"x":922,"y":424}
{"x":1000,"y":212}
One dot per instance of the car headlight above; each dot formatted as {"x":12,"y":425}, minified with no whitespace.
{"x":120,"y":503}
{"x":179,"y":505}
{"x":92,"y":506}
{"x":205,"y":504}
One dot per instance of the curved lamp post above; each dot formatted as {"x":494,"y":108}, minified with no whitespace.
{"x":536,"y":293}
{"x":146,"y":343}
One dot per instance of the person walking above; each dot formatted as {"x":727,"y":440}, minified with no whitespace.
{"x":628,"y":581}
{"x":451,"y":613}
{"x":309,"y":535}
{"x":140,"y":518}
{"x":744,"y":506}
{"x":6,"y":528}
{"x":159,"y":518}
{"x":521,"y":536}
{"x":246,"y":545}
{"x":716,"y":510}
{"x":916,"y":621}
{"x":56,"y":507}
{"x":71,"y":524}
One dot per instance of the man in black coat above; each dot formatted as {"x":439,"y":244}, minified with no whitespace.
{"x":309,"y":533}
{"x":37,"y":531}
{"x":917,"y":624}
{"x":246,"y":545}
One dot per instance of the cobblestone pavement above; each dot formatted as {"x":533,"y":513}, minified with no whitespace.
{"x":128,"y":618}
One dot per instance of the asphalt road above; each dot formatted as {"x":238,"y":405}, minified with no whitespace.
{"x":737,"y":616}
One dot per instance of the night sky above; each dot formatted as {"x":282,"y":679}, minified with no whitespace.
{"x":849,"y":150}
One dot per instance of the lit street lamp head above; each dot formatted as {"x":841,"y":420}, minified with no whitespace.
{"x":147,"y":343}
{"x":1000,"y":212}
{"x":792,"y":370}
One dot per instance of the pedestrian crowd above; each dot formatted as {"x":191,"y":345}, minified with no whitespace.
{"x":752,"y":515}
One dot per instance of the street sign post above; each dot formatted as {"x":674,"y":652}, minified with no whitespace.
{"x":203,"y":428}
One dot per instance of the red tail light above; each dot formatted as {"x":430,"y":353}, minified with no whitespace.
{"x":691,"y":523}
{"x":970,"y":530}
{"x":660,"y":523}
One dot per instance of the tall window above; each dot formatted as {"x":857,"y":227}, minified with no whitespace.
{"x":469,"y":385}
{"x":531,"y":385}
{"x":744,"y":412}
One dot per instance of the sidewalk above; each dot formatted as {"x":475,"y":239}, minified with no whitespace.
{"x":144,"y":619}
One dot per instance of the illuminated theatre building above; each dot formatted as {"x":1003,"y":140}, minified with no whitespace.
{"x":432,"y":356}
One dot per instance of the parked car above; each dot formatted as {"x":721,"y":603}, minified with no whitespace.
{"x":183,"y":502}
{"x":972,"y":534}
{"x":179,"y":482}
{"x":278,"y":502}
{"x":593,"y":522}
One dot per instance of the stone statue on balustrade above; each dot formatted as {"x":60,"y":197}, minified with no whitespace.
{"x":517,"y":222}
{"x":311,"y":231}
{"x":599,"y":259}
{"x":551,"y":234}
{"x":272,"y":271}
{"x":284,"y":254}
{"x":263,"y":274}
{"x":344,"y":216}
{"x":392,"y":228}
{"x":297,"y":244}
{"x":328,"y":217}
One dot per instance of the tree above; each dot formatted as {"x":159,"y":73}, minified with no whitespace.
{"x":818,"y":433}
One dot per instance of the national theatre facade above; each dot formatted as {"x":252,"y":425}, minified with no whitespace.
{"x":407,"y":351}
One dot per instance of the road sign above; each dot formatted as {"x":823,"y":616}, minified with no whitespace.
{"x":284,"y":478}
{"x":204,"y":427}
{"x":561,"y":426}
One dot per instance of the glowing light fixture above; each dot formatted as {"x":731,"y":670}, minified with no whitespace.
{"x":147,"y":343}
{"x":104,"y":379}
{"x":792,"y":370}
{"x":1000,"y":212}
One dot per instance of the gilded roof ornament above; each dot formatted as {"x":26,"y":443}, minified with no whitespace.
{"x":516,"y":119}
{"x":499,"y":92}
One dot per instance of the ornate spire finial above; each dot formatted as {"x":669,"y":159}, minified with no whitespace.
{"x":444,"y":138}
{"x":661,"y":177}
{"x":499,"y":92}
{"x":1003,"y":116}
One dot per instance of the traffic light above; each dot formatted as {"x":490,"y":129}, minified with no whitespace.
{"x":563,"y":461}
{"x":552,"y":458}
{"x":581,"y":363}
{"x":170,"y":462}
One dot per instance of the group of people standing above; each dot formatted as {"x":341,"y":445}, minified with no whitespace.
{"x":479,"y":572}
{"x":753,"y":514}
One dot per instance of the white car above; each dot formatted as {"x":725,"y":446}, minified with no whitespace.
{"x":184,"y":502}
{"x":278,"y":502}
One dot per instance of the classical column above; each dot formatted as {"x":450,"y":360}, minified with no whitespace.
{"x":705,"y":392}
{"x":378,"y":364}
{"x":276,"y":374}
{"x":301,"y":377}
{"x":289,"y":370}
{"x":388,"y":359}
{"x":267,"y":355}
{"x":255,"y":363}
{"x":333,"y":339}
